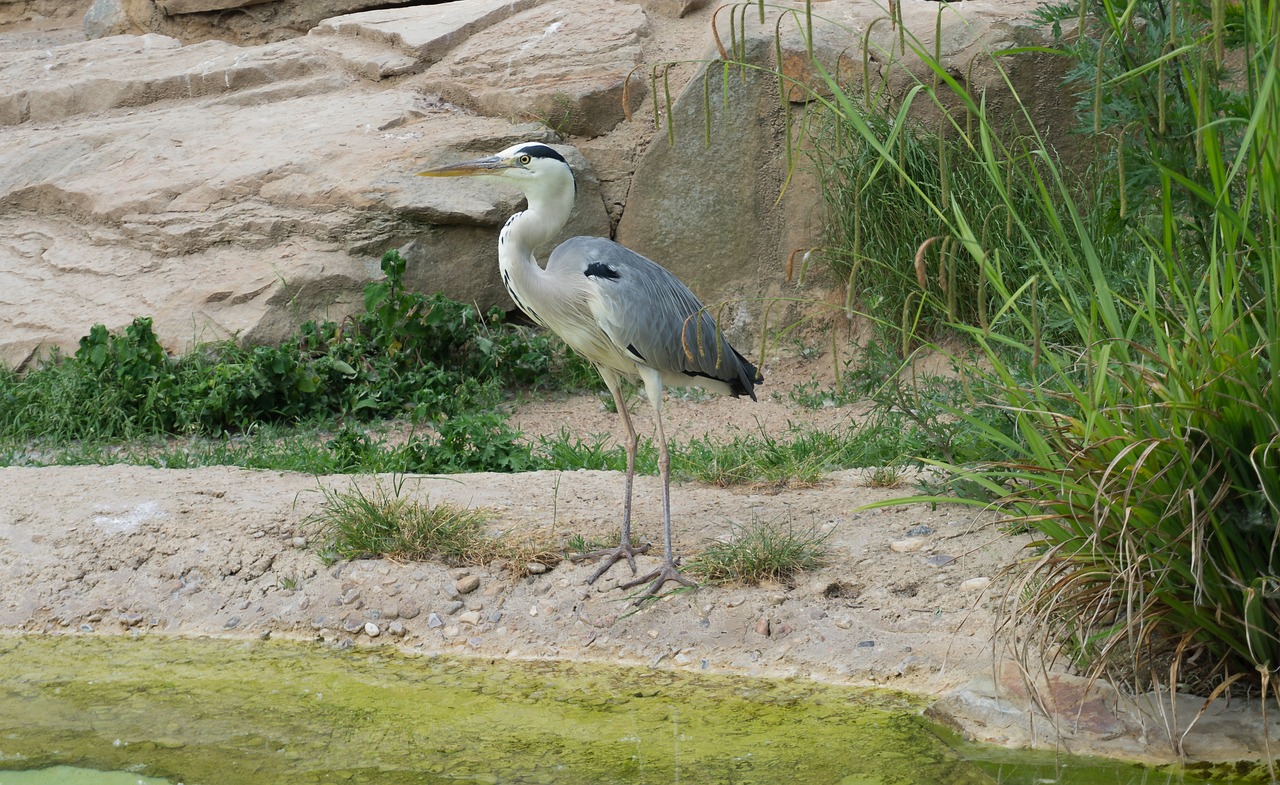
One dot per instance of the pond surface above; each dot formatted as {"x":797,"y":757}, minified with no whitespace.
{"x":219,"y":712}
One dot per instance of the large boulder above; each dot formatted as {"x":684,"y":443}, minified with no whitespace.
{"x":227,"y":191}
{"x":570,"y":64}
{"x":394,"y":41}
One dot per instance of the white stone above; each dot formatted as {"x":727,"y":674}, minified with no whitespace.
{"x":909,"y":545}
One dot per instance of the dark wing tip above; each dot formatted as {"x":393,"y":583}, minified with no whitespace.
{"x":748,"y":377}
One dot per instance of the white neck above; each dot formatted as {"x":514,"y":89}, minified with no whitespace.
{"x":550,"y":204}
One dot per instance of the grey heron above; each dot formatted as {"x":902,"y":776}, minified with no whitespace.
{"x":626,"y":314}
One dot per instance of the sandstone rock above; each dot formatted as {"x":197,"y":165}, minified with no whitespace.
{"x":1082,"y":713}
{"x":568,"y":64}
{"x":226,"y":209}
{"x":236,"y":21}
{"x":196,"y":6}
{"x":136,"y":71}
{"x":673,"y":8}
{"x":393,"y":41}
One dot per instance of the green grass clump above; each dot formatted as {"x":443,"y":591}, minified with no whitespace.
{"x":760,"y":552}
{"x":438,"y":362}
{"x":388,"y":523}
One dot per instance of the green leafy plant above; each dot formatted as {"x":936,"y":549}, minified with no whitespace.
{"x":438,"y":361}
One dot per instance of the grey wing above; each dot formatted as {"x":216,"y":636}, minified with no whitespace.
{"x":647,"y":312}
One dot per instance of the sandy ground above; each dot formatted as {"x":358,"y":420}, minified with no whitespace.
{"x":230,"y":552}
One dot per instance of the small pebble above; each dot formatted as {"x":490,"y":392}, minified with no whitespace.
{"x":299,"y":542}
{"x":920,"y":530}
{"x":939,"y":559}
{"x":818,"y":614}
{"x":866,"y":644}
{"x":762,"y":626}
{"x":234,"y":621}
{"x":468,"y":584}
{"x":408,"y":609}
{"x":909,"y":545}
{"x":975,"y":584}
{"x":372,"y":630}
{"x":130,"y":619}
{"x":453,"y":607}
{"x":352,"y":625}
{"x":495,"y":617}
{"x":470,"y":617}
{"x":396,"y":628}
{"x":844,"y":624}
{"x":535,"y":568}
{"x":433,"y":621}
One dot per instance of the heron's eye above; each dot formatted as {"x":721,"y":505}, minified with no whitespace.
{"x":523,"y":159}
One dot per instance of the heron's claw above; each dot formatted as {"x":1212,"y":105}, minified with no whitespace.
{"x":611,"y":557}
{"x":656,"y":579}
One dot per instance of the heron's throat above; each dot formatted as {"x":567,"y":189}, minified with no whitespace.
{"x":524,"y":279}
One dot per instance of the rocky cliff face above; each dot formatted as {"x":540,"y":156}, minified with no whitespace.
{"x":232,"y":168}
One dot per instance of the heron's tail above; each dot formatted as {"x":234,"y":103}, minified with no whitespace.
{"x":748,"y":377}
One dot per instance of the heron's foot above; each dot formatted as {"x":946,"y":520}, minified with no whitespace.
{"x":611,"y":557}
{"x":665,"y":573}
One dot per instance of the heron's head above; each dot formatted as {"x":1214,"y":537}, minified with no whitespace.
{"x":527,"y":165}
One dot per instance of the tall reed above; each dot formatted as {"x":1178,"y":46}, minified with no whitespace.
{"x":1145,"y":394}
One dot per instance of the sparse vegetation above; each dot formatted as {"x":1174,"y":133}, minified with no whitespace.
{"x":760,"y":551}
{"x":387,"y":522}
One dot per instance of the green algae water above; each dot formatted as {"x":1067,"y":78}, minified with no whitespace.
{"x":110,"y":711}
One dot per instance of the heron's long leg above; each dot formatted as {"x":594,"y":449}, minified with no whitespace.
{"x":667,"y":570}
{"x":624,"y":550}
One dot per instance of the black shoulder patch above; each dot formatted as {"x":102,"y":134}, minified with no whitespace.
{"x":542,"y":151}
{"x":600,"y":270}
{"x":631,"y":347}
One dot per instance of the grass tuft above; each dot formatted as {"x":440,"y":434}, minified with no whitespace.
{"x":389,"y":524}
{"x":760,"y":552}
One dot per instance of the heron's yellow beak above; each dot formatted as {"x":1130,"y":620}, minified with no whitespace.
{"x":491,"y":165}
